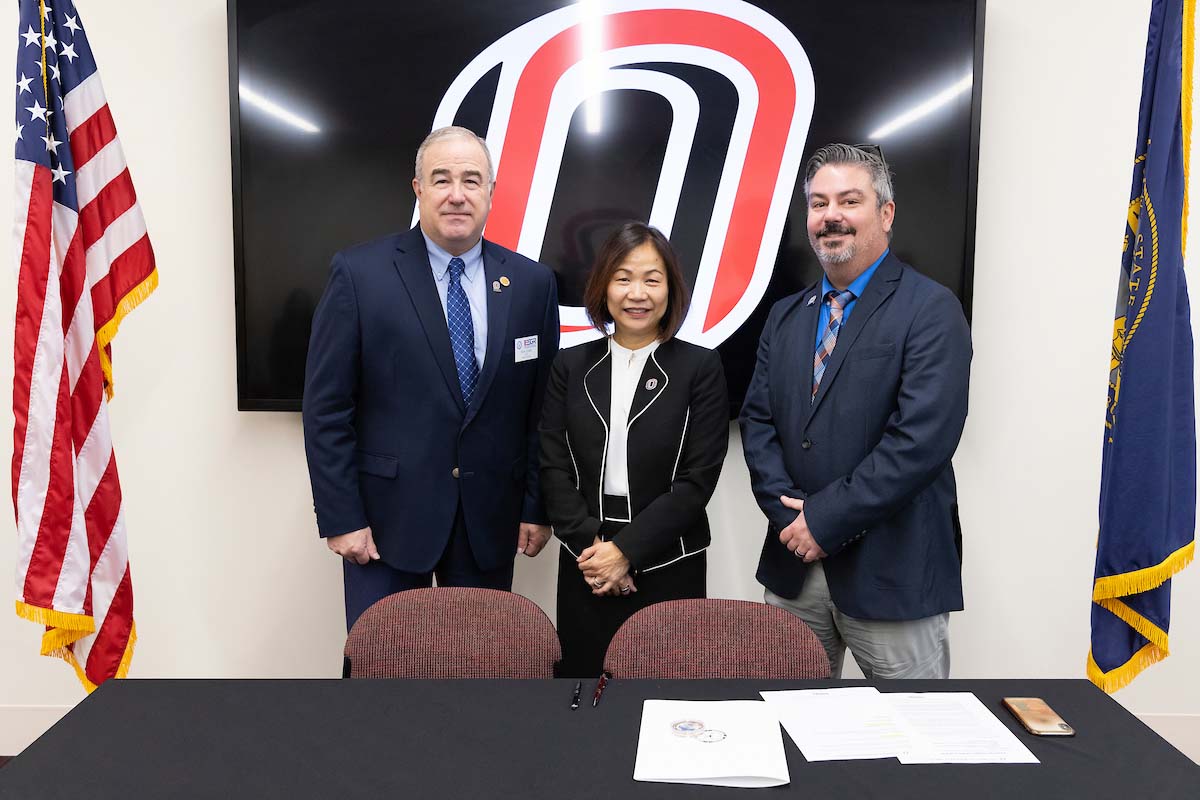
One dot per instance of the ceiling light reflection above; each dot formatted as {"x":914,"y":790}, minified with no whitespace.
{"x":591,"y":30}
{"x":275,"y":110}
{"x":928,"y":107}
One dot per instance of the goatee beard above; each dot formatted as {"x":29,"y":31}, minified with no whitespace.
{"x":836,"y":257}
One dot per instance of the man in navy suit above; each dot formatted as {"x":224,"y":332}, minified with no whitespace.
{"x":426,"y":367}
{"x":857,"y":404}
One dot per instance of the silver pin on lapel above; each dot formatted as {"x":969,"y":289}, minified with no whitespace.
{"x":651,"y":384}
{"x":812,"y":300}
{"x":495,"y":286}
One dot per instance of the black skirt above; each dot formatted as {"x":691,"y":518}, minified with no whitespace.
{"x":587,"y":623}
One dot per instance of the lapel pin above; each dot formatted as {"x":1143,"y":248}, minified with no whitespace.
{"x":812,"y":300}
{"x":504,"y":280}
{"x":495,"y":286}
{"x":651,"y":384}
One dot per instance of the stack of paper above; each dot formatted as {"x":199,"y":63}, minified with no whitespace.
{"x":726,"y":743}
{"x":915,"y":727}
{"x":838,"y":724}
{"x":955,"y":728}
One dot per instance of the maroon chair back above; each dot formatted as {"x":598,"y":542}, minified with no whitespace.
{"x":452,"y":633}
{"x":715,"y":639}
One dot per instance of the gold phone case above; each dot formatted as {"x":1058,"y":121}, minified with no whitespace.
{"x":1037,"y":717}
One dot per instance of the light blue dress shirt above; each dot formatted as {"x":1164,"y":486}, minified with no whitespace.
{"x":474,"y":283}
{"x":858,"y":286}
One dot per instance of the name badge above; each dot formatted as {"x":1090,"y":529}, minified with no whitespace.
{"x":526,"y":348}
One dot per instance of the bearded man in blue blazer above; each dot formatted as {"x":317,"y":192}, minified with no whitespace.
{"x":857,"y":403}
{"x":426,"y":368}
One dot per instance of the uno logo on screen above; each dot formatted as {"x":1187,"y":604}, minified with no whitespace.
{"x":553,"y":65}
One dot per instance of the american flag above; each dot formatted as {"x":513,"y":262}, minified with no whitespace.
{"x":84,"y":262}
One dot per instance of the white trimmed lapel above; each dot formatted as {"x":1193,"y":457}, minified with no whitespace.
{"x":651,"y":384}
{"x":597,"y":384}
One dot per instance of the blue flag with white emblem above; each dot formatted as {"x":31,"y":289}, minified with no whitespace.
{"x":1148,"y":477}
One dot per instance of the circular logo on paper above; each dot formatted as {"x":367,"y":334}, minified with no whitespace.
{"x":709,"y":736}
{"x":687,"y":727}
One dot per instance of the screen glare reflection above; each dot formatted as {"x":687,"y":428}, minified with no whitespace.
{"x":591,"y":26}
{"x":924,"y":109}
{"x":275,"y":110}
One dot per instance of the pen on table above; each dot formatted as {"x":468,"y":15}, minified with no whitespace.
{"x":575,"y":698}
{"x":600,"y":684}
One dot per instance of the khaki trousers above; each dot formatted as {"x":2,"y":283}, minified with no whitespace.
{"x":918,"y":648}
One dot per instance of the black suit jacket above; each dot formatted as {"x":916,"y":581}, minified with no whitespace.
{"x":870,"y":455}
{"x":390,"y":443}
{"x":677,"y":437}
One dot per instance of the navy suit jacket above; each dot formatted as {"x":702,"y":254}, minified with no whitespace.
{"x":870,"y":455}
{"x":390,"y":443}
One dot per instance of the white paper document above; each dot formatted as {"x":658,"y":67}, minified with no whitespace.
{"x":725,"y":743}
{"x":839,"y":724}
{"x":955,"y":728}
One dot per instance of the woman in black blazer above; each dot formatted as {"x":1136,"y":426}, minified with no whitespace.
{"x":634,"y":431}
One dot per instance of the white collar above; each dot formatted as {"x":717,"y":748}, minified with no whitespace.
{"x":625,"y":354}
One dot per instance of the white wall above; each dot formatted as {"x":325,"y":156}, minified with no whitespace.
{"x":230,"y":579}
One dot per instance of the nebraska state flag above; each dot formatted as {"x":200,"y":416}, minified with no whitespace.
{"x":1148,"y":478}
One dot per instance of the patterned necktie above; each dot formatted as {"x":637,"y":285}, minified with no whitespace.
{"x":462,"y":332}
{"x":837,"y":303}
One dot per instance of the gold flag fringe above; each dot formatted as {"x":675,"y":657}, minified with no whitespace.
{"x":57,"y":619}
{"x":108,"y":332}
{"x":1156,"y":635}
{"x":1123,"y":675}
{"x":1108,"y":592}
{"x":55,"y":639}
{"x":1143,"y":580}
{"x":68,"y":629}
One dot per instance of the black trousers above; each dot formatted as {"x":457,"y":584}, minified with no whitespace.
{"x":587,"y":623}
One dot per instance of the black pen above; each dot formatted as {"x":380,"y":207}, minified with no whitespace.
{"x":600,"y":684}
{"x":575,"y":699}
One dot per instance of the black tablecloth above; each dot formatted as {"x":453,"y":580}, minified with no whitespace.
{"x":519,"y":739}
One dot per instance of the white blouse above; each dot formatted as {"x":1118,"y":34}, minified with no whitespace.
{"x":626,"y":374}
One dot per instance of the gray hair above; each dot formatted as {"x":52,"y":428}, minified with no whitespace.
{"x":454,"y":132}
{"x":881,"y":177}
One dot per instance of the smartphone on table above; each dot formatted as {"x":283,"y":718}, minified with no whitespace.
{"x":1037,"y":717}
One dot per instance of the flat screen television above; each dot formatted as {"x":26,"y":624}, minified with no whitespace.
{"x":694,"y":115}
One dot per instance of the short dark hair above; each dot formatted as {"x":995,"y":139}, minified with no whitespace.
{"x":613,"y":253}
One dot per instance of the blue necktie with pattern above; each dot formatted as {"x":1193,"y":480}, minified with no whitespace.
{"x":462,"y":332}
{"x":837,"y":302}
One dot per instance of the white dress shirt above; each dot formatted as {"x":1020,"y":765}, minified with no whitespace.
{"x":626,"y":375}
{"x":474,"y":284}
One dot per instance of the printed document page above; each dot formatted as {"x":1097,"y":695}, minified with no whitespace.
{"x":955,"y":728}
{"x":724,"y":743}
{"x":839,"y":724}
